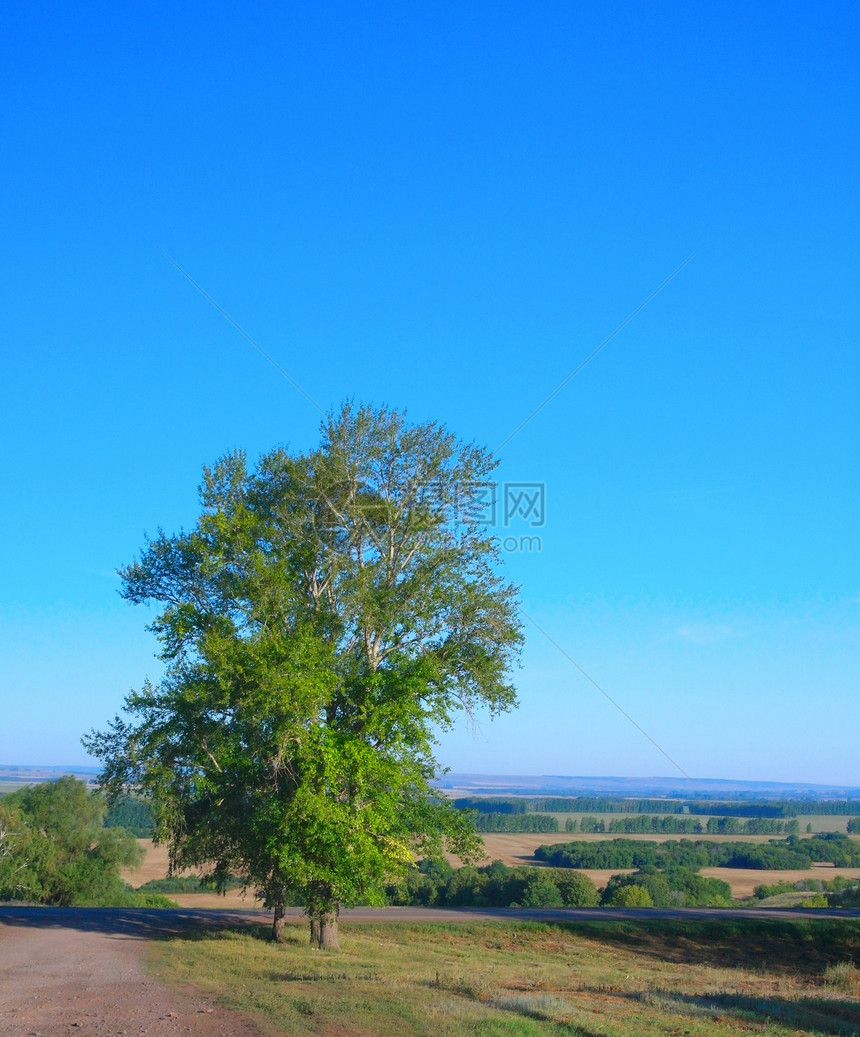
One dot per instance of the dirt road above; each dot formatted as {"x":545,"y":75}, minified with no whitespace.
{"x":63,"y":974}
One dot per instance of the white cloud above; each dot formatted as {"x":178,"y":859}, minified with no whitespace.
{"x":707,"y":633}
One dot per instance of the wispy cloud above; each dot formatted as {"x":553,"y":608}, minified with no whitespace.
{"x":708,"y":633}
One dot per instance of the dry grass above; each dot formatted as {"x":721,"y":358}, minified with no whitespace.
{"x":715,"y":979}
{"x":844,"y":976}
{"x":153,"y":866}
{"x":744,"y":880}
{"x":519,"y":848}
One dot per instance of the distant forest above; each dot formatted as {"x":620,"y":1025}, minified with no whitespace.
{"x":784,"y":808}
{"x":135,"y":815}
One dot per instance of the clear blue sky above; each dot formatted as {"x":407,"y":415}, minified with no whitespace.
{"x":447,"y":207}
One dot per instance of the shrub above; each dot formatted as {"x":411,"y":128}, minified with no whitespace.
{"x":843,"y":976}
{"x":466,"y":888}
{"x":819,"y":900}
{"x":631,"y":896}
{"x":775,"y":890}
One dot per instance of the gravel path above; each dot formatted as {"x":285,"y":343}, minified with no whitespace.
{"x":58,"y":980}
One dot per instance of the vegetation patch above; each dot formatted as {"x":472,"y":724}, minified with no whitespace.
{"x":617,"y":979}
{"x":55,"y":850}
{"x":783,"y":854}
{"x":844,"y":975}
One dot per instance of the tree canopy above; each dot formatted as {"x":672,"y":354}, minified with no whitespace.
{"x":329,"y":611}
{"x":54,"y":849}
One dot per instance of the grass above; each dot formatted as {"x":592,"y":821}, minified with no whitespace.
{"x":614,"y":979}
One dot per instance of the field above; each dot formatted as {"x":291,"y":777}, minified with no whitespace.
{"x":819,"y":822}
{"x":719,"y":979}
{"x":10,"y":785}
{"x":513,"y":850}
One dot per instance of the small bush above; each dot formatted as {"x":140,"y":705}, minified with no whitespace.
{"x":844,"y":976}
{"x":152,"y":900}
{"x":631,"y":896}
{"x":819,"y":900}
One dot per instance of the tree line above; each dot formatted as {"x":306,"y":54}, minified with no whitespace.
{"x":671,"y":824}
{"x":777,"y":854}
{"x":752,"y":826}
{"x":131,"y":813}
{"x":641,"y":823}
{"x":674,"y":887}
{"x":434,"y":883}
{"x":771,"y":808}
{"x":516,"y":823}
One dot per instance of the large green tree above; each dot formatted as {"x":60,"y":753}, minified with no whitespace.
{"x":327,"y":614}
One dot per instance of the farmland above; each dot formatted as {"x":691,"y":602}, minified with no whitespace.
{"x":513,"y":850}
{"x":521,"y":849}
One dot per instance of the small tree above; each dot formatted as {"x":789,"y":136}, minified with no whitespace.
{"x":18,"y":855}
{"x":326,"y":615}
{"x":54,"y":849}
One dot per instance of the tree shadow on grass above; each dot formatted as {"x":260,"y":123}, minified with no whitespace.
{"x":802,"y":949}
{"x":820,"y":1015}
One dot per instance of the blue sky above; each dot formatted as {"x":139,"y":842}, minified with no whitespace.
{"x":447,"y":208}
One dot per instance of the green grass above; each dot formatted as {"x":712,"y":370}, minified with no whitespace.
{"x":616,"y":979}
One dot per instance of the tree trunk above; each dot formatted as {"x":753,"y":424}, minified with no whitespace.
{"x":278,"y":924}
{"x":315,"y":930}
{"x":328,"y":940}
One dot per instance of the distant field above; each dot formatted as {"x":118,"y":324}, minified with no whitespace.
{"x":823,"y":823}
{"x":154,"y":866}
{"x":519,"y":847}
{"x":512,"y":850}
{"x":744,"y":880}
{"x":819,"y":822}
